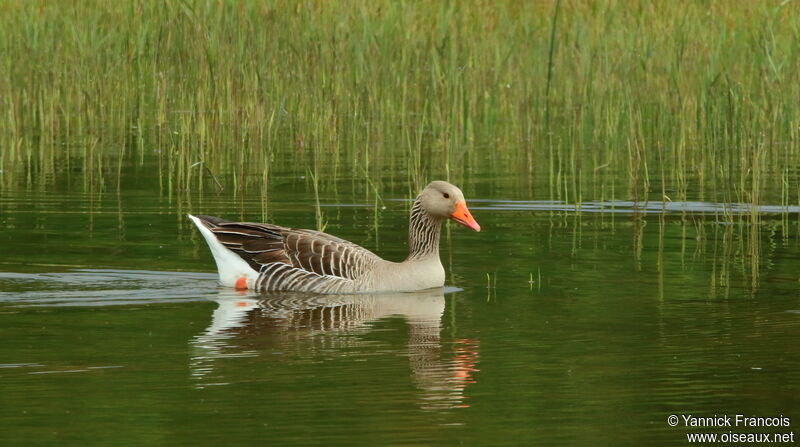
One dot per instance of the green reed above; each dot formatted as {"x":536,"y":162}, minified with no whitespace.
{"x":645,"y":99}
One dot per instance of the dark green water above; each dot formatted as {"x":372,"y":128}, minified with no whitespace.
{"x":594,"y":328}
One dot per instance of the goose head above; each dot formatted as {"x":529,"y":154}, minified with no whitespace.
{"x":445,"y":201}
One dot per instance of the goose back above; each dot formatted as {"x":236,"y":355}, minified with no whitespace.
{"x":294,"y":259}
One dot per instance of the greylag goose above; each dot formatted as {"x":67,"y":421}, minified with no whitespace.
{"x":269,"y":257}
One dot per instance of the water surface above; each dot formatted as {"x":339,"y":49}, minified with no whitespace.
{"x":561,"y":324}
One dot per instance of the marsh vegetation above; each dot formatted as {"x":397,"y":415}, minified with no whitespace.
{"x":577,"y":100}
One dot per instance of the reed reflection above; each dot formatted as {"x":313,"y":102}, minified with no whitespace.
{"x":250,"y":324}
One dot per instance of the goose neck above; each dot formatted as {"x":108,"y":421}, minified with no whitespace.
{"x":423,"y":233}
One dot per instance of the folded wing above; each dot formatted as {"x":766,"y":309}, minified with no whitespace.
{"x":286,"y":256}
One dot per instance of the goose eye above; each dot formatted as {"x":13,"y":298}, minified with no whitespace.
{"x":446,"y":195}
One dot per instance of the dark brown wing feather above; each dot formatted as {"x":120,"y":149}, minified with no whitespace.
{"x":263,"y":244}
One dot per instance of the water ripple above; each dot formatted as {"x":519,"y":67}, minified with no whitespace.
{"x":104,"y":287}
{"x":629,"y":207}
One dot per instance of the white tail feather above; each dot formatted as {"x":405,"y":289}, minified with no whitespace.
{"x":231,"y":267}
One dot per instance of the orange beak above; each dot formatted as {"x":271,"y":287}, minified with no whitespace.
{"x":462,"y":216}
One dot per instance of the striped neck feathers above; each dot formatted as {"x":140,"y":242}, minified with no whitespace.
{"x":423,"y":233}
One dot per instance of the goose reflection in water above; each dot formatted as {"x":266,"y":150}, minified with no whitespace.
{"x":246,"y":324}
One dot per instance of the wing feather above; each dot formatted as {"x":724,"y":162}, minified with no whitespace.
{"x":288,"y":256}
